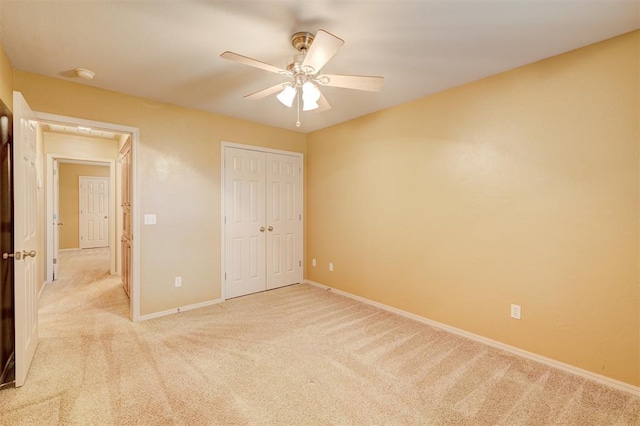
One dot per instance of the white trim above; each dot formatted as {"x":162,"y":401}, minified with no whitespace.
{"x":223,"y":260}
{"x":180,"y":309}
{"x":223,"y":145}
{"x":603,"y":380}
{"x":134,"y":308}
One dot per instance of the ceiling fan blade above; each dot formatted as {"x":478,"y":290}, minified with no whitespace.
{"x":253,"y":63}
{"x":324,"y":46}
{"x":357,"y":82}
{"x":265,"y":92}
{"x":323,"y":104}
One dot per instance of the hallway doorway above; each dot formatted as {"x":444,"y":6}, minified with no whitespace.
{"x":69,"y":150}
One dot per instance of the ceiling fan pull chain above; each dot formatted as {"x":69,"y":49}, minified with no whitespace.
{"x":298,"y":122}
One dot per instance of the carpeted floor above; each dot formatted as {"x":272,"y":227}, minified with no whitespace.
{"x":294,"y":356}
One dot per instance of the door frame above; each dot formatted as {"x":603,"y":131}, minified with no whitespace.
{"x":50,"y":275}
{"x":49,"y":228}
{"x":223,"y":237}
{"x":134,"y":305}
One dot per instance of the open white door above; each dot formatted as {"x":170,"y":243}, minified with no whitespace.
{"x":25,"y":241}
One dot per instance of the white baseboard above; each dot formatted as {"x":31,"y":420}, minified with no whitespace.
{"x":607,"y":381}
{"x":180,"y":309}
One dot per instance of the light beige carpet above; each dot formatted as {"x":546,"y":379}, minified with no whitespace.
{"x":294,"y":356}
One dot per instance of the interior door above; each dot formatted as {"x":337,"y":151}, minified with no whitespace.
{"x":244,"y":218}
{"x":94,"y":212}
{"x":284,"y":220}
{"x":25,"y":238}
{"x":126,"y":239}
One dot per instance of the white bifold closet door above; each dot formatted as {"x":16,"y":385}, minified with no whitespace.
{"x":262,"y":221}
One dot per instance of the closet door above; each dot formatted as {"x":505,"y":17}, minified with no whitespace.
{"x":262,"y":221}
{"x":244,"y":218}
{"x":284,"y":220}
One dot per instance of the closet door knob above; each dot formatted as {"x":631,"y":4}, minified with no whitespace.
{"x":270,"y":228}
{"x":262,"y":229}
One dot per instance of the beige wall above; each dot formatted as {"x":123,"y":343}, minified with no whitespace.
{"x":521,"y":188}
{"x":69,"y":200}
{"x":6,"y":79}
{"x":80,"y":147}
{"x":178,"y":160}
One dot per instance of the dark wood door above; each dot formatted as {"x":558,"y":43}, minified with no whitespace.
{"x":7,"y":322}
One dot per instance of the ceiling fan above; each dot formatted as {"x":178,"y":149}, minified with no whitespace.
{"x":303,"y":71}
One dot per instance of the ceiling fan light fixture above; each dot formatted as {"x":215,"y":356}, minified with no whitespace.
{"x":309,"y":105}
{"x":310,"y":96}
{"x":287,"y":96}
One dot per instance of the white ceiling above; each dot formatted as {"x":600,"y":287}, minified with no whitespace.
{"x":169,"y":50}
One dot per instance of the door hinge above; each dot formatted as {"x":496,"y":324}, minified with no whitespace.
{"x":300,"y":263}
{"x":300,"y":216}
{"x":55,"y":261}
{"x":225,"y":276}
{"x":225,"y":220}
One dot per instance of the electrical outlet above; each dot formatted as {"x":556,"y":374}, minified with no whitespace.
{"x":178,"y":281}
{"x":149,"y":219}
{"x":516,"y":311}
{"x":330,"y":266}
{"x":313,"y":262}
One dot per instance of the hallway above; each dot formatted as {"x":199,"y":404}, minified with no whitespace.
{"x":84,"y":285}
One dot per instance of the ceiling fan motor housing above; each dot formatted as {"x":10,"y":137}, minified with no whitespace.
{"x":302,"y":41}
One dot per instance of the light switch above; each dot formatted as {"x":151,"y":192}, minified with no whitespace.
{"x":149,"y":219}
